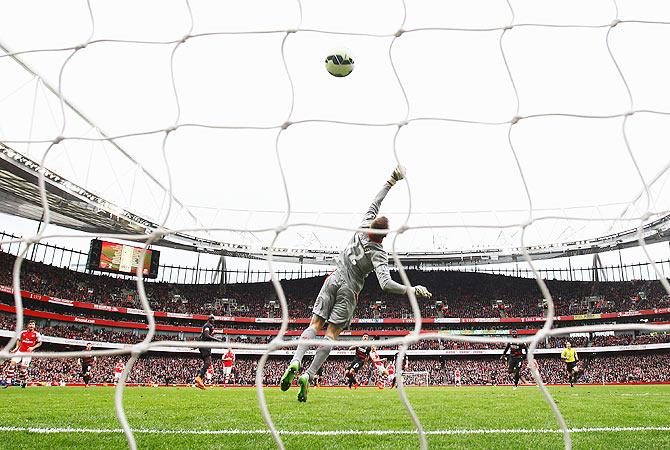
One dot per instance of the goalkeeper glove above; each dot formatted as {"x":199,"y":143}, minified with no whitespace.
{"x":397,"y":175}
{"x":421,"y":291}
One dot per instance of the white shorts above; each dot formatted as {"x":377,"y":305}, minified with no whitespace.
{"x":117,"y":376}
{"x":391,"y":377}
{"x":381,"y":368}
{"x":227,"y":370}
{"x":208,"y":376}
{"x":22,"y":360}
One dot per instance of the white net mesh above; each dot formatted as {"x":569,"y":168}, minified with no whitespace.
{"x":644,"y":202}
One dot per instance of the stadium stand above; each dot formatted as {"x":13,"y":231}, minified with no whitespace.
{"x":83,"y":307}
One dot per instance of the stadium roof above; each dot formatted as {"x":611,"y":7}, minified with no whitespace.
{"x":580,"y":152}
{"x":74,"y":207}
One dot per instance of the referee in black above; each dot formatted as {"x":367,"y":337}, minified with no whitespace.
{"x":207,"y":334}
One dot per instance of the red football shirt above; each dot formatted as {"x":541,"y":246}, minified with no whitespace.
{"x":28,"y":339}
{"x":228,"y":359}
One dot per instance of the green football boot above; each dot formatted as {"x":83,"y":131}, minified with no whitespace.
{"x":303,"y":382}
{"x":289,"y":375}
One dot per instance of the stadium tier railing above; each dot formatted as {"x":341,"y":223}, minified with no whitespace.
{"x":72,"y":259}
{"x":166,"y":348}
{"x":389,"y":320}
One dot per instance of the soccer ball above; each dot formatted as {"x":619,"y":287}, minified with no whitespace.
{"x":340,"y":63}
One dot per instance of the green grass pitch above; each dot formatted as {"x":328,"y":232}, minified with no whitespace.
{"x":330,"y":409}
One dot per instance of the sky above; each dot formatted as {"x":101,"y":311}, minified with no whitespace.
{"x":459,"y":175}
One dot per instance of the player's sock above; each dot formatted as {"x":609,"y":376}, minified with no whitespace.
{"x":319,"y":358}
{"x":351,"y":380}
{"x":516,"y":378}
{"x":308,"y":333}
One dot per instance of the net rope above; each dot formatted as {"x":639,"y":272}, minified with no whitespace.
{"x":136,"y":350}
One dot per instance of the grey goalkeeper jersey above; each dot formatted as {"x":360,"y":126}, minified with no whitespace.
{"x":362,"y":255}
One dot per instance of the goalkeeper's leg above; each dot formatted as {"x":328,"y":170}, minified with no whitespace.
{"x":292,"y":370}
{"x":332,"y":332}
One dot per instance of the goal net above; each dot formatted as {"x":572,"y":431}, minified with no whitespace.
{"x":526,"y":131}
{"x":419,"y":378}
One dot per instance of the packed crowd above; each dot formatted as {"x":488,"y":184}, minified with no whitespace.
{"x":153,"y":370}
{"x":462,"y":294}
{"x":97,"y":334}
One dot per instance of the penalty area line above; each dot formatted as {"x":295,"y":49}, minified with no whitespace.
{"x":236,"y":431}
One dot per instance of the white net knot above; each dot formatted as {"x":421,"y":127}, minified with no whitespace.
{"x":158,"y":233}
{"x":614,"y":23}
{"x":629,"y":113}
{"x":281,"y":228}
{"x":57,"y":140}
{"x":184,"y":38}
{"x":169,"y":130}
{"x":80,"y":46}
{"x":139,"y":349}
{"x":508,"y":27}
{"x":399,"y":33}
{"x":402,"y":124}
{"x":286,"y":124}
{"x":32,"y":240}
{"x":291,"y":30}
{"x":515,"y":119}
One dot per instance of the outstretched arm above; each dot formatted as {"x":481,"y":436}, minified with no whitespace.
{"x":210,"y":336}
{"x":380,"y":262}
{"x":507,"y":348}
{"x":373,"y":210}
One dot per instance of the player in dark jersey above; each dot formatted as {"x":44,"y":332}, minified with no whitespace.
{"x":87,"y":362}
{"x":362,"y":354}
{"x":206,"y":335}
{"x":515,"y":359}
{"x":318,"y":376}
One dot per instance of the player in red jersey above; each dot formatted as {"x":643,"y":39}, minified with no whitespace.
{"x":457,"y":377}
{"x":228,"y":362}
{"x":209,"y":374}
{"x":9,"y":375}
{"x":378,"y":363}
{"x":29,"y":340}
{"x":118,"y":369}
{"x":390,"y":369}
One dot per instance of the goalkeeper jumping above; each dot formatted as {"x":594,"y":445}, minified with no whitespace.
{"x":336,"y":301}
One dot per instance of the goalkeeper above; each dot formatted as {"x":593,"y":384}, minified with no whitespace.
{"x":336,"y":301}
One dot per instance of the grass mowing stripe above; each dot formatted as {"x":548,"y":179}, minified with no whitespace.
{"x":336,"y":432}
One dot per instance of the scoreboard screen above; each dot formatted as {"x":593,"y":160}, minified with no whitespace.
{"x":121,"y":258}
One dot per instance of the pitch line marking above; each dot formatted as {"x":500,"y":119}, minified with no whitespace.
{"x":236,"y":431}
